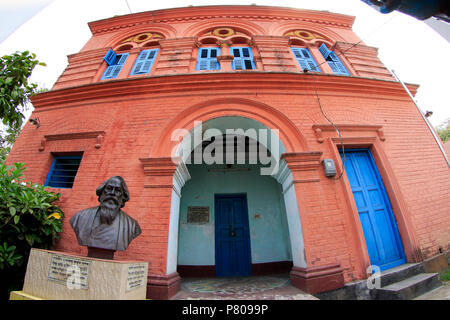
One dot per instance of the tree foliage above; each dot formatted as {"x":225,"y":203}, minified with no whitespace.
{"x":443,"y":130}
{"x":14,"y":87}
{"x":7,"y":139}
{"x":28,"y":215}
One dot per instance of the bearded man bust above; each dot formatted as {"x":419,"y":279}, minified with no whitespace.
{"x":107,"y":226}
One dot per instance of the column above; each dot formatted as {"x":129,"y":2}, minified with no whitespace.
{"x":164,"y":180}
{"x":305,"y":170}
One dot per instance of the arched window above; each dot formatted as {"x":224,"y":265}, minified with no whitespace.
{"x":149,"y":44}
{"x":145,"y":61}
{"x":304,"y":46}
{"x":333,"y":61}
{"x":115,"y":63}
{"x":243,"y":58}
{"x":207,"y":58}
{"x":305,"y":59}
{"x":235,"y":41}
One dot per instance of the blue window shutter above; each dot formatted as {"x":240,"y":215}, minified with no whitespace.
{"x":243,"y":58}
{"x":145,"y":61}
{"x":305,"y":59}
{"x":113,"y":70}
{"x":110,"y":57}
{"x":324,"y":51}
{"x":333,"y":61}
{"x":338,"y":64}
{"x":63,"y":171}
{"x":207,"y":59}
{"x":333,"y":66}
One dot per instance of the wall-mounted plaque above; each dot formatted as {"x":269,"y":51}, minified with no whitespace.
{"x":69,"y":271}
{"x":136,"y":276}
{"x":198,"y":215}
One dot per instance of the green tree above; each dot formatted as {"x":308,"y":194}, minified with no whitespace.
{"x":14,"y":87}
{"x":443,"y":130}
{"x":7,"y":138}
{"x":29,"y":218}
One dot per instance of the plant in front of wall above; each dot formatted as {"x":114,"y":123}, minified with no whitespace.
{"x":29,"y":218}
{"x":445,"y":276}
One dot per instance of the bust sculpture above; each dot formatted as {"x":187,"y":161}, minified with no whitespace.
{"x":106,"y":228}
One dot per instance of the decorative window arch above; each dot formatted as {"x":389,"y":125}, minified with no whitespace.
{"x":142,"y":39}
{"x":301,"y":43}
{"x":304,"y":35}
{"x":148,"y":42}
{"x":303,"y":40}
{"x":211,"y":41}
{"x":225,"y":34}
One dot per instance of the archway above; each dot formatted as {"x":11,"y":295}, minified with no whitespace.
{"x":274,"y":228}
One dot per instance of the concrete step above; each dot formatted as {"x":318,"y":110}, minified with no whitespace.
{"x":408,"y":288}
{"x":400,"y":273}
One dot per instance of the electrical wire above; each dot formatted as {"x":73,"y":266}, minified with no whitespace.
{"x":128,"y":6}
{"x":320,"y":104}
{"x":363,"y":39}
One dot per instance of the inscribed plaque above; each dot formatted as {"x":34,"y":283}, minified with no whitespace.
{"x":198,"y":215}
{"x":69,"y":271}
{"x":136,"y":276}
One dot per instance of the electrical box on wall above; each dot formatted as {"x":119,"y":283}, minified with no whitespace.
{"x":329,"y":167}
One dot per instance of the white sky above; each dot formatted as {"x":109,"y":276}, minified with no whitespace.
{"x":416,"y":52}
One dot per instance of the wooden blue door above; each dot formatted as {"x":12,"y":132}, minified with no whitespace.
{"x":374,"y":209}
{"x":232,"y":236}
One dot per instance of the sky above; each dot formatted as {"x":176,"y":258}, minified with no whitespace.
{"x":53,"y":29}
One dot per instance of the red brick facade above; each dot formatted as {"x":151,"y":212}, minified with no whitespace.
{"x":123,"y":127}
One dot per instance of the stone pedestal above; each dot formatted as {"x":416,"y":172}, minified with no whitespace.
{"x":60,"y":276}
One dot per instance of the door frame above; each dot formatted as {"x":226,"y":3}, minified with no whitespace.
{"x":369,"y":138}
{"x":388,"y":206}
{"x":218,"y":196}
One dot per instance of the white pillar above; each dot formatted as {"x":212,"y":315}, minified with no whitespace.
{"x":285,"y":178}
{"x":180,"y":177}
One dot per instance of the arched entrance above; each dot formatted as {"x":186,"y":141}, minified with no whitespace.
{"x":167,"y":172}
{"x":237,"y":211}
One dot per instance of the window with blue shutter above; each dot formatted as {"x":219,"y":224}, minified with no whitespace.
{"x":63,"y":171}
{"x":243,"y":58}
{"x":305,"y":59}
{"x":207,"y":59}
{"x":333,"y":61}
{"x":113,"y":70}
{"x":110,"y":57}
{"x":144,"y":62}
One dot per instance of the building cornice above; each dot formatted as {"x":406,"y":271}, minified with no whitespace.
{"x":251,"y":81}
{"x":202,"y":13}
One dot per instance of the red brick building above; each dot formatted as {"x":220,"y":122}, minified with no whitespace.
{"x":287,"y":71}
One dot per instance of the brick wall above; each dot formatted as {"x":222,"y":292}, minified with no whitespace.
{"x":133,"y":122}
{"x":116,"y":123}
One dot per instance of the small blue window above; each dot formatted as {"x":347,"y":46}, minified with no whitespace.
{"x":144,"y":62}
{"x":207,"y":59}
{"x":333,"y":61}
{"x":305,"y":59}
{"x":113,"y":70}
{"x":243,"y":58}
{"x":63,"y":171}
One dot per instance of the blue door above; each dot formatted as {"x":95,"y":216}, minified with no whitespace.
{"x":375,"y":212}
{"x":232,"y":236}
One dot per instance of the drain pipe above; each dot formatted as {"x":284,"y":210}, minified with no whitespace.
{"x":438,"y":140}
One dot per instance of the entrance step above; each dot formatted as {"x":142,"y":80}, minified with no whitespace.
{"x":408,"y":288}
{"x":400,"y":273}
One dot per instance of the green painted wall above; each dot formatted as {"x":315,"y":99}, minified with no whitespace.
{"x":269,"y":235}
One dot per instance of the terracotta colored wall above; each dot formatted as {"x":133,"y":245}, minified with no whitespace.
{"x":115,"y":123}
